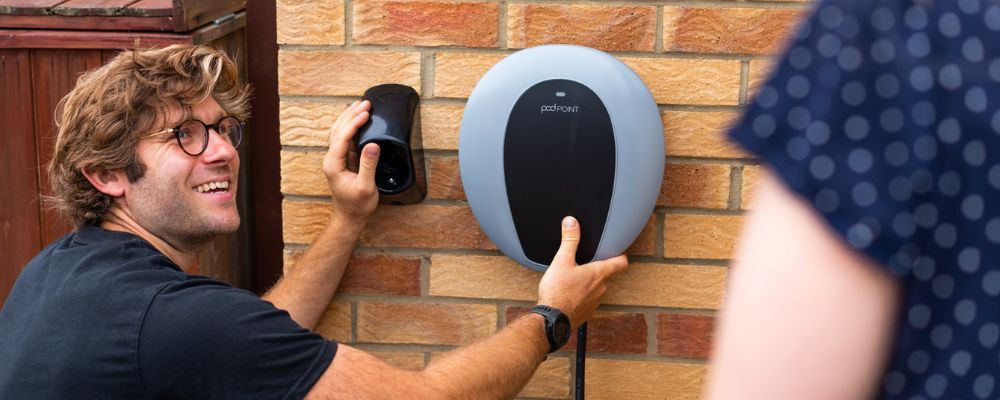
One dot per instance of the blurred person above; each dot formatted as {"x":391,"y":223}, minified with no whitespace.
{"x":145,"y":163}
{"x":867,"y":267}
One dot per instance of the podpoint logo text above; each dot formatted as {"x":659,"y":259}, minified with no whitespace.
{"x":559,"y":108}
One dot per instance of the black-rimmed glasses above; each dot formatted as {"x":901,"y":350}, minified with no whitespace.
{"x":192,"y":135}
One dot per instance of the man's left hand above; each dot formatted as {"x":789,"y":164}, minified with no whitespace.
{"x":354,"y":194}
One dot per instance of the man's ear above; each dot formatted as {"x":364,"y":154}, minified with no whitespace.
{"x":111,"y":183}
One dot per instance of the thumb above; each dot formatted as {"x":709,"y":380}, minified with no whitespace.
{"x":368,"y":162}
{"x":570,"y":241}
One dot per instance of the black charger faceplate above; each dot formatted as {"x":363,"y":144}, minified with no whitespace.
{"x":559,"y":160}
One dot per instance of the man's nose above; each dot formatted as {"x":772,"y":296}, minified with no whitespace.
{"x":219,"y":148}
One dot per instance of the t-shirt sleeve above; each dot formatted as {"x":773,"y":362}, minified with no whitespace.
{"x":202,"y":339}
{"x":880,"y":121}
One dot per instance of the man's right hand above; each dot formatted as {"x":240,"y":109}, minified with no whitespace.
{"x":576,"y":290}
{"x":354,"y":194}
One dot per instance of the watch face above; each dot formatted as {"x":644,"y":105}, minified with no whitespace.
{"x":561,"y":329}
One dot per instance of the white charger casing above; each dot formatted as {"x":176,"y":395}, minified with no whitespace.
{"x":560,"y":130}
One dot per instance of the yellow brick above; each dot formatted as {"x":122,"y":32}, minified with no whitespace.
{"x":665,"y":285}
{"x":727,"y":29}
{"x":444,"y":180}
{"x":752,"y":175}
{"x":426,"y":23}
{"x":551,"y":380}
{"x":419,"y":226}
{"x":342,"y":73}
{"x":310,"y":22}
{"x":700,"y":236}
{"x":455,"y":74}
{"x":645,"y":243}
{"x":609,"y":28}
{"x":335,"y":323}
{"x":440,"y":126}
{"x":687,"y":81}
{"x":425,"y":226}
{"x":695,"y":185}
{"x":302,"y":173}
{"x":758,"y":74}
{"x":410,"y":361}
{"x":699,"y":134}
{"x":373,"y":273}
{"x":483,"y":277}
{"x":638,"y":380}
{"x":445,"y":324}
{"x":302,"y":221}
{"x":307,"y":123}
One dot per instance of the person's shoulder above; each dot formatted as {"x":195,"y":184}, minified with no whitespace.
{"x":206,"y":303}
{"x":105,"y":267}
{"x":100,"y":261}
{"x":124,"y":251}
{"x":197,"y":288}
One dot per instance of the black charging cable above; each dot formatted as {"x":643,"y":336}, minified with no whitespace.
{"x":581,"y":359}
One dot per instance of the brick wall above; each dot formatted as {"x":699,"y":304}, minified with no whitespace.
{"x":425,"y":278}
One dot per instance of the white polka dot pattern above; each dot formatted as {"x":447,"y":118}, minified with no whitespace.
{"x":884,"y":115}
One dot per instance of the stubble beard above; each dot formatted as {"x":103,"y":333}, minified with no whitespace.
{"x":178,"y":219}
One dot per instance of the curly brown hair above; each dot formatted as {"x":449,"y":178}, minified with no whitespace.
{"x":102,"y":119}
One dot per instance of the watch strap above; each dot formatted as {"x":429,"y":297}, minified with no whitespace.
{"x":551,"y":314}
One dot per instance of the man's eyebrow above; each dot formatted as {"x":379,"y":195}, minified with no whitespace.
{"x":217,"y":117}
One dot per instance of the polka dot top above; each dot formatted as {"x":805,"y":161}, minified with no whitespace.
{"x":881,"y":114}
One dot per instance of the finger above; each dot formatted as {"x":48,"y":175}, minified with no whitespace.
{"x":570,"y":240}
{"x":349,"y":120}
{"x":343,"y":131}
{"x":342,"y":118}
{"x":338,"y":147}
{"x":358,"y":121}
{"x":343,"y":114}
{"x":369,"y":160}
{"x":337,"y":155}
{"x":608,"y":268}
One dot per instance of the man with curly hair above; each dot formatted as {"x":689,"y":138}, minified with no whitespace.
{"x":145,"y":163}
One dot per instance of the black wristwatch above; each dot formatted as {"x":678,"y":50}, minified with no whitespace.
{"x":556,"y":326}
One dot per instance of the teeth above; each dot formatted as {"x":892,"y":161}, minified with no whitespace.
{"x":212,"y":185}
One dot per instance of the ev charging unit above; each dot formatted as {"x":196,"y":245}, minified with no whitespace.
{"x":561,"y":130}
{"x":393,"y":125}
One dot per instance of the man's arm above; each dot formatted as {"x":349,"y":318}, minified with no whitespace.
{"x":805,"y":317}
{"x":306,"y":290}
{"x":497,"y":367}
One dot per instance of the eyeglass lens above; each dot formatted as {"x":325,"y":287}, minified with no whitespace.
{"x":193,"y":134}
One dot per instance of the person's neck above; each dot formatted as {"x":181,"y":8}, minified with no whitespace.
{"x":120,"y":220}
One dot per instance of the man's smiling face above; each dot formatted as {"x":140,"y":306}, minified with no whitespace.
{"x":186,"y":200}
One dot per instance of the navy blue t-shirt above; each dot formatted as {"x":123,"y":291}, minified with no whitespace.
{"x":881,"y":115}
{"x":103,"y":315}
